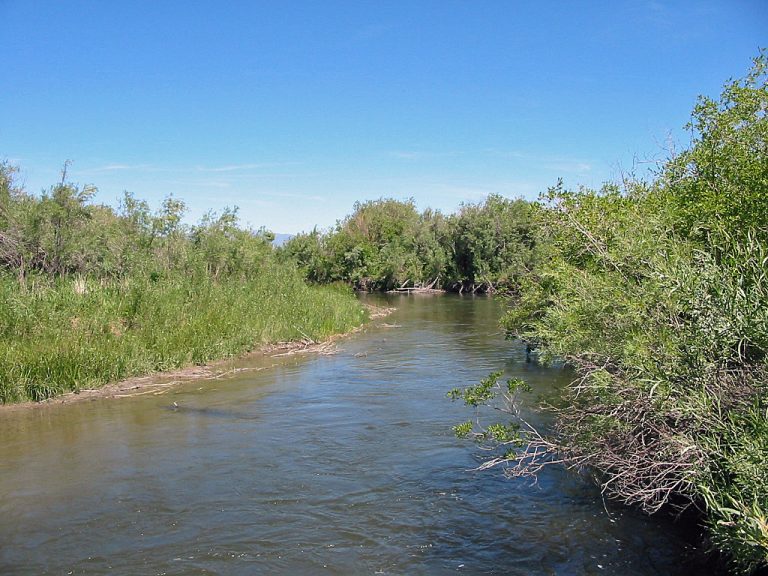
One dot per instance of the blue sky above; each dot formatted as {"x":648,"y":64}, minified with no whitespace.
{"x":294,"y":110}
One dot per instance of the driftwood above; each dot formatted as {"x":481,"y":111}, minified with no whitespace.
{"x":417,"y":288}
{"x":484,"y":287}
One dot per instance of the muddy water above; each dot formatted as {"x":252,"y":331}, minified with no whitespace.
{"x":341,"y":464}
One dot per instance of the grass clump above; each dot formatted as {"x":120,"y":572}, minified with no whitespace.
{"x":54,"y":339}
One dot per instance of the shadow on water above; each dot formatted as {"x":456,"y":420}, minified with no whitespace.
{"x":342,"y":464}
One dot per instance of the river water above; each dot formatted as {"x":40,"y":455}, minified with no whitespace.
{"x":338,"y":464}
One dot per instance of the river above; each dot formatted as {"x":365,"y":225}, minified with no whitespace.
{"x":332,"y":464}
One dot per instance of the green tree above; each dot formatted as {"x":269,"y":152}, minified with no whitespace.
{"x":721,"y":178}
{"x":493,"y":243}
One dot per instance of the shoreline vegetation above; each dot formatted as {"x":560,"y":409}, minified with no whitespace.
{"x":387,"y":245}
{"x":158,"y":383}
{"x":68,"y":341}
{"x":656,"y":293}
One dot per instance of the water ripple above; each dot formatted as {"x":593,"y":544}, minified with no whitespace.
{"x":342,"y":465}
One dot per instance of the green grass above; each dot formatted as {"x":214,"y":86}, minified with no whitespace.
{"x":54,"y":339}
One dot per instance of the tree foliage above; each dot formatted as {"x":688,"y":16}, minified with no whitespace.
{"x":387,"y":243}
{"x":721,"y":178}
{"x":63,"y":232}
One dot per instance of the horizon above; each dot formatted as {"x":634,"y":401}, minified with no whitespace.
{"x":294,"y":112}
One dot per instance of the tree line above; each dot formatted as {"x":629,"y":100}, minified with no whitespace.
{"x":62,"y":232}
{"x":387,"y":243}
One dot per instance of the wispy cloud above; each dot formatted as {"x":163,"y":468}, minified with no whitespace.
{"x":153,"y":168}
{"x":569,"y":165}
{"x":209,"y":184}
{"x":294,"y":196}
{"x":243,"y":167}
{"x":419,"y":154}
{"x":118,"y":167}
{"x":476,"y":192}
{"x":508,"y":153}
{"x":111,"y":167}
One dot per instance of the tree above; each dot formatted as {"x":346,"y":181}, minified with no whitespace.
{"x":494,"y":242}
{"x":721,"y":179}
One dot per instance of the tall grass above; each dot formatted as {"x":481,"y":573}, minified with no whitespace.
{"x":67,"y":334}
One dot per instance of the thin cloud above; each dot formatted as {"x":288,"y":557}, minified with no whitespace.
{"x":209,"y":184}
{"x":555,"y":163}
{"x":419,"y":154}
{"x":314,"y":198}
{"x":152,"y":168}
{"x":243,"y":167}
{"x":117,"y":167}
{"x":108,"y":168}
{"x":570,"y":167}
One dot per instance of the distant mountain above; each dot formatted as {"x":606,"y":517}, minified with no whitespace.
{"x":281,"y":239}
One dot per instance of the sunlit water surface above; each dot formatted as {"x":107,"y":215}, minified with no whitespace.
{"x":340,"y":464}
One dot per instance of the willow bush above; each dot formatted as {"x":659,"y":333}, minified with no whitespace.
{"x":387,"y":243}
{"x":657,"y":294}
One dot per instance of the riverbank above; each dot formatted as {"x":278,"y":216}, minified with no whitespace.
{"x":158,"y":383}
{"x":64,"y":336}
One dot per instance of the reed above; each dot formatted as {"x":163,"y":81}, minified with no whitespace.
{"x":59,"y":336}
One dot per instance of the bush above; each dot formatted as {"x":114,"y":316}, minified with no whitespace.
{"x":656,"y":294}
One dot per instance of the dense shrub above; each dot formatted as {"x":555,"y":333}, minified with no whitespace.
{"x":657,"y":294}
{"x":386,"y":243}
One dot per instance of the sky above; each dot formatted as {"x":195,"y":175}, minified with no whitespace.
{"x":294,"y":110}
